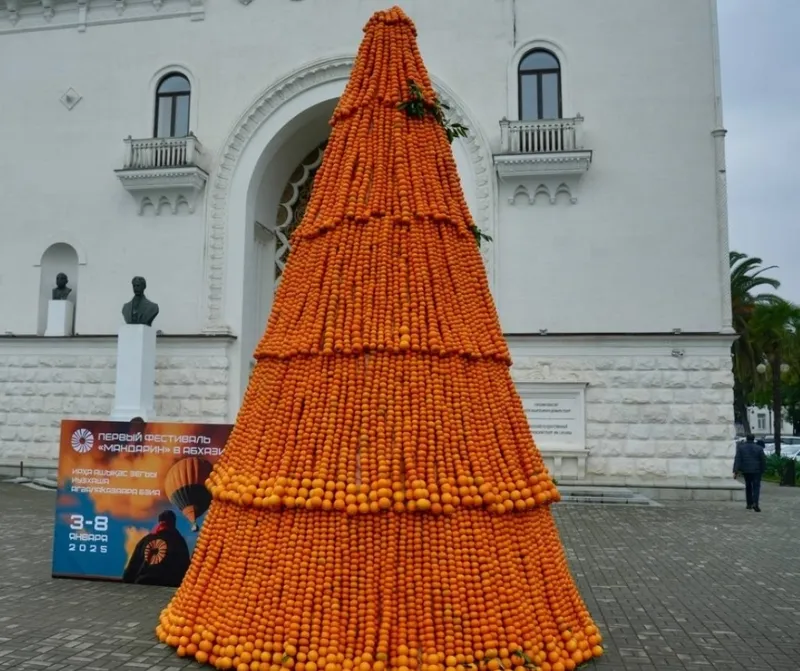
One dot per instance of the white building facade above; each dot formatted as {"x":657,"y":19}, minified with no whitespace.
{"x":178,"y":140}
{"x":762,"y":422}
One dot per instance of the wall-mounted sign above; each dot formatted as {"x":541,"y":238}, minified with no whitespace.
{"x":556,"y":413}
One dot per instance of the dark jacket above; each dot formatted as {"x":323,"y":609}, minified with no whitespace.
{"x":160,"y":558}
{"x":750,"y":458}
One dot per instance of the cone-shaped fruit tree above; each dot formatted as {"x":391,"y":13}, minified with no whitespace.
{"x":380,"y":504}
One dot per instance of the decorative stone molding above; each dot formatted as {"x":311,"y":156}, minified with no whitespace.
{"x":542,"y":157}
{"x":71,"y":98}
{"x":198,"y":10}
{"x":551,"y":191}
{"x":167,"y":188}
{"x":12,"y":7}
{"x":29,"y":16}
{"x":279,"y":93}
{"x":163,"y":171}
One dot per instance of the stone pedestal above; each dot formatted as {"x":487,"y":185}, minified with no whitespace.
{"x":136,"y":373}
{"x":59,"y":318}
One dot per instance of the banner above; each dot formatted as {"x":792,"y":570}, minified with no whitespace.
{"x":131,"y":498}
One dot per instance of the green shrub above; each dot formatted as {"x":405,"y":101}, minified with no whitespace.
{"x":775,"y":466}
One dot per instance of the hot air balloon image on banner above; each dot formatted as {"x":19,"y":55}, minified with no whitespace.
{"x":185,"y":486}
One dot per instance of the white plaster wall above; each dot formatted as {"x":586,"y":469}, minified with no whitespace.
{"x":638,"y":252}
{"x":651,"y":416}
{"x":42,"y":383}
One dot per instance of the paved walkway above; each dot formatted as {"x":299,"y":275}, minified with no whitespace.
{"x":709,"y":586}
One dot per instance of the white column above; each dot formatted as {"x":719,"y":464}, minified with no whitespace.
{"x":136,"y":373}
{"x":721,"y":180}
{"x":59,"y":318}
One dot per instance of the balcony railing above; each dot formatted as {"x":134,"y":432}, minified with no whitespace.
{"x":172,"y":152}
{"x":540,"y":137}
{"x":164,"y":171}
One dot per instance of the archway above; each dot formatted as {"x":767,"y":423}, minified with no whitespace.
{"x":279,"y":203}
{"x":272,"y":238}
{"x":266,"y":145}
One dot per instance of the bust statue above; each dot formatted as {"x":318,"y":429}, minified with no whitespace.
{"x":139,"y":310}
{"x":61,"y":291}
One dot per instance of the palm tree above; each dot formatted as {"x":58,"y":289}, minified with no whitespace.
{"x":747,"y":279}
{"x":772,"y":330}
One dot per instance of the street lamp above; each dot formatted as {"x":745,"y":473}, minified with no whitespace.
{"x":762,"y":368}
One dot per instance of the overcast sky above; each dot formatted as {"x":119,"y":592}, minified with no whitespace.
{"x":760,"y":45}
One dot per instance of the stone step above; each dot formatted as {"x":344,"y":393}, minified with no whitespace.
{"x":603,"y":496}
{"x":42,"y":484}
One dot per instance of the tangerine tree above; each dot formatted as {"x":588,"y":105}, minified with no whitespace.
{"x":381,"y":503}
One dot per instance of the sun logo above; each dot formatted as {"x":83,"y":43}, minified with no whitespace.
{"x":82,"y":441}
{"x":155,"y":551}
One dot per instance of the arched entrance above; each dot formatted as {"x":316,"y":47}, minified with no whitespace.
{"x":279,"y":201}
{"x":263,"y":151}
{"x":271,"y":238}
{"x":294,"y":201}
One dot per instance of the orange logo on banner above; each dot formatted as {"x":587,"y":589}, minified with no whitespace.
{"x":155,"y":551}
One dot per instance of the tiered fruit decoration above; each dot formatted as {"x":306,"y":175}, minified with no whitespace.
{"x":380,"y":504}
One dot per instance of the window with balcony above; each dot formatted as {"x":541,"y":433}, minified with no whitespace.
{"x":173,"y":96}
{"x":168,"y":170}
{"x":539,"y":86}
{"x":541,"y":152}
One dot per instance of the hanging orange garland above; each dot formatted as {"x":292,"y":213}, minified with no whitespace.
{"x":380,"y":505}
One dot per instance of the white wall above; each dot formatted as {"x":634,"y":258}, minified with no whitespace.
{"x":45,"y":381}
{"x":639,"y":251}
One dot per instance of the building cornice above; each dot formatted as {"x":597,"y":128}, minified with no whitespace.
{"x":20,"y":16}
{"x":620,"y":344}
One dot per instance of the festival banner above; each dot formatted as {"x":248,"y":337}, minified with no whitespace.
{"x":131,"y":498}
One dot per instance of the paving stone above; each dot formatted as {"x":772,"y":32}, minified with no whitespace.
{"x":689,"y":586}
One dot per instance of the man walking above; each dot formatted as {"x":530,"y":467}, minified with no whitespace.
{"x":751,"y":462}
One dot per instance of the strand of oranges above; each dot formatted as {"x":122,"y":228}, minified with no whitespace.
{"x":381,"y":505}
{"x":307,"y":591}
{"x":365,"y":434}
{"x":384,"y":287}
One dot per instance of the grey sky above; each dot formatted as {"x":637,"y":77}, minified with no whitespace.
{"x":760,"y":51}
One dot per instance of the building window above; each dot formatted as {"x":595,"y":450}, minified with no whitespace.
{"x":172,"y":106}
{"x":539,"y":75}
{"x":762,"y":421}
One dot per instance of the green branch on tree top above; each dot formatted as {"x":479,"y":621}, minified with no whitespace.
{"x":417,"y":107}
{"x":480,"y":236}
